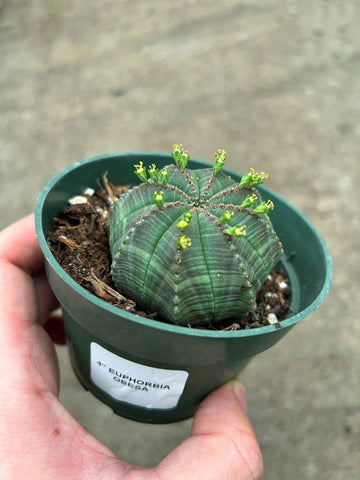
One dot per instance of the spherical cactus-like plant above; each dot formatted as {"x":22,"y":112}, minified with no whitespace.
{"x":192,"y":245}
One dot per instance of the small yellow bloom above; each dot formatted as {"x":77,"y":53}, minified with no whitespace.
{"x":236,"y":231}
{"x":252,"y":178}
{"x":141,"y":172}
{"x":159,"y":199}
{"x":226,"y":217}
{"x":139,"y":167}
{"x":264,"y":207}
{"x":180,"y":155}
{"x":182,"y":224}
{"x":220,"y":157}
{"x":240,"y":231}
{"x":184,"y":242}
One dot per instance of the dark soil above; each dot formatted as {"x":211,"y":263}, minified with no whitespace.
{"x":79,"y":242}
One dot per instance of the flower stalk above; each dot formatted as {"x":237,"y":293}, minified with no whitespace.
{"x":220,"y":157}
{"x":141,"y":172}
{"x":180,"y":156}
{"x":226,"y":217}
{"x":264,"y":207}
{"x":153,"y":172}
{"x":252,"y":179}
{"x":159,"y":199}
{"x":236,"y":231}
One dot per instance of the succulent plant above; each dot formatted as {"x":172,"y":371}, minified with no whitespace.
{"x":192,"y":245}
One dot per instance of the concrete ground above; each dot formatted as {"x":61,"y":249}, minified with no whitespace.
{"x":275,"y":83}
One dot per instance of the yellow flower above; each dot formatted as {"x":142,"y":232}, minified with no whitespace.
{"x":159,"y":199}
{"x":141,"y":172}
{"x":220,"y":157}
{"x":236,"y":231}
{"x":184,"y":242}
{"x":252,"y":178}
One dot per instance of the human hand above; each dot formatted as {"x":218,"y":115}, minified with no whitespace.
{"x":39,"y":439}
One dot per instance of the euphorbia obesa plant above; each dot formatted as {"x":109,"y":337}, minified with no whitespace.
{"x":193,"y":245}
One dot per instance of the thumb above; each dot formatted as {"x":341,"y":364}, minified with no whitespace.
{"x":223,"y":444}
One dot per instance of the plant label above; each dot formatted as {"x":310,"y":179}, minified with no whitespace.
{"x":134,"y":383}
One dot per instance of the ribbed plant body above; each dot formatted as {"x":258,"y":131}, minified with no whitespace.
{"x":205,"y":272}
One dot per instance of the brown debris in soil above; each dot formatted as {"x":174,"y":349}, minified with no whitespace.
{"x":79,"y":240}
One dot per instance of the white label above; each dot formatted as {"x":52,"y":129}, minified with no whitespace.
{"x":135,"y":383}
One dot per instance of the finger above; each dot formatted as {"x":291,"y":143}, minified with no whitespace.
{"x":27,"y":351}
{"x":17,"y":301}
{"x":45,"y":299}
{"x":223,"y":444}
{"x":19,"y":245}
{"x":55,"y":328}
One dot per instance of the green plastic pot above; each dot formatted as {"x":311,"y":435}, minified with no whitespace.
{"x":151,"y":371}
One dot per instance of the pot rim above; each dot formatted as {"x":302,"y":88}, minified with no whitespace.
{"x":156,"y":324}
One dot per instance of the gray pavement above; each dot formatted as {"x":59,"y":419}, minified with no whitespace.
{"x":275,"y":83}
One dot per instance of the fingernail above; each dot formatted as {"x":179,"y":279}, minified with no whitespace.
{"x":240,"y":392}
